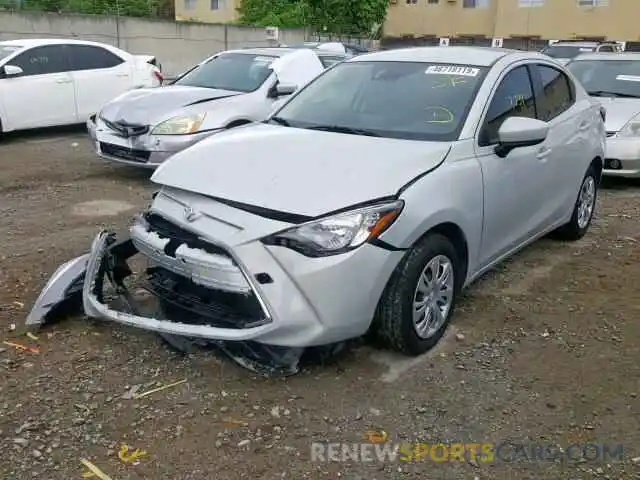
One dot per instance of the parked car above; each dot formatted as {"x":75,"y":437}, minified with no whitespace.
{"x":565,"y":50}
{"x":614,"y":79}
{"x":145,"y":127}
{"x":48,"y":82}
{"x":365,"y":203}
{"x":348,"y":49}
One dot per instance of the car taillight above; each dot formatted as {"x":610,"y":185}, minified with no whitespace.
{"x":159,"y":76}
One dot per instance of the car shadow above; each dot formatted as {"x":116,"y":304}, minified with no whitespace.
{"x":619,"y":184}
{"x":43,"y":133}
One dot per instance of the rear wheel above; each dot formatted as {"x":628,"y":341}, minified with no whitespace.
{"x":583,"y":210}
{"x":418,"y":303}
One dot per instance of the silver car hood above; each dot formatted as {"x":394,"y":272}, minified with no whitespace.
{"x":298,"y":171}
{"x":148,"y":106}
{"x":619,"y":111}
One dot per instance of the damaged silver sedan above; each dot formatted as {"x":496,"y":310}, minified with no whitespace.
{"x":365,"y":203}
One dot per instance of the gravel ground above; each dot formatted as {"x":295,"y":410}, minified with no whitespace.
{"x":544,"y":350}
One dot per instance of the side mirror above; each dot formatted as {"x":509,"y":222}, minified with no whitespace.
{"x":12,"y":71}
{"x":518,"y":132}
{"x":282,"y":89}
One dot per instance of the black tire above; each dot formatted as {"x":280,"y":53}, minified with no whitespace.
{"x":393,"y":325}
{"x":572,"y":231}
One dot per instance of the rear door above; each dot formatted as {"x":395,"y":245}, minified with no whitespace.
{"x":43,"y":95}
{"x":567,"y":141}
{"x":99,"y":76}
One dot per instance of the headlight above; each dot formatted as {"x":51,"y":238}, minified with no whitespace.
{"x":338,"y":233}
{"x":631,"y":129}
{"x":182,"y":125}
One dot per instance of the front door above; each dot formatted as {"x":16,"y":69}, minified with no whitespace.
{"x":513,"y":185}
{"x":44,"y":94}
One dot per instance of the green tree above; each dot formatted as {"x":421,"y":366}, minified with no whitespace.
{"x":131,"y":8}
{"x":346,"y":17}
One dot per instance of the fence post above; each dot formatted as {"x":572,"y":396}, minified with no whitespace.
{"x":226,"y":37}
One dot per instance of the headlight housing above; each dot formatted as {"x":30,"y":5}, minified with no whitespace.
{"x":338,"y":233}
{"x":631,"y":128}
{"x":182,"y":125}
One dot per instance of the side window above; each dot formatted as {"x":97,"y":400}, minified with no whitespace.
{"x":512,"y":98}
{"x":556,"y":96}
{"x":88,"y":57}
{"x":606,"y":48}
{"x":42,"y":60}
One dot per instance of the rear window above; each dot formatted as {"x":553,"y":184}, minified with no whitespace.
{"x":6,"y":50}
{"x":566,"y":51}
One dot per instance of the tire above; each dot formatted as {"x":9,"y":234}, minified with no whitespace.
{"x":394,"y":324}
{"x":576,"y":228}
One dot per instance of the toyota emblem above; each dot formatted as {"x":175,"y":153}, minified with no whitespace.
{"x":190,"y":214}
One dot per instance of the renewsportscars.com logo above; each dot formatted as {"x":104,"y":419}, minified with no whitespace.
{"x":377,"y":448}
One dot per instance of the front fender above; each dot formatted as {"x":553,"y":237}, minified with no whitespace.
{"x":65,"y":283}
{"x":452,"y":193}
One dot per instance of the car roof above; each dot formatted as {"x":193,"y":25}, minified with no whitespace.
{"x":280,"y":51}
{"x":578,"y":43}
{"x":608,"y":56}
{"x":478,"y":56}
{"x":37,"y":42}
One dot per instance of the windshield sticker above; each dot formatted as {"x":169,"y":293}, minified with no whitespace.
{"x":263,"y":59}
{"x":452,"y":70}
{"x":586,"y":49}
{"x":628,"y":78}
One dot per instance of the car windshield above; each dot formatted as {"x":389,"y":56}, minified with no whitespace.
{"x":241,"y":72}
{"x":404,"y":100}
{"x":566,"y":51}
{"x":611,"y":78}
{"x":6,"y":50}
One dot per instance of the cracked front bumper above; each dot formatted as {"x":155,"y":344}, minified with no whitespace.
{"x":305,"y":302}
{"x":98,"y":269}
{"x":145,"y":151}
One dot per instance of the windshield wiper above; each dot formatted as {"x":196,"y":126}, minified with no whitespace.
{"x":340,"y":129}
{"x":279,"y":121}
{"x":606,"y":93}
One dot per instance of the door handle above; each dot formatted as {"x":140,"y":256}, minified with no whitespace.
{"x":126,"y":75}
{"x":584,"y":126}
{"x":543,"y":153}
{"x":63,"y":80}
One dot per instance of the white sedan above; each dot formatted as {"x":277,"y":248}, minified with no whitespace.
{"x":48,"y":82}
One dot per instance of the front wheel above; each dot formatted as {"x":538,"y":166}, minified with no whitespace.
{"x":418,"y":303}
{"x":583,"y":210}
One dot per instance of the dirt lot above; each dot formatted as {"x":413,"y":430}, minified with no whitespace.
{"x":545,"y":350}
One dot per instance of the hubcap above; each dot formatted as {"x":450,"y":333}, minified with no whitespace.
{"x":586,"y":201}
{"x":433,"y":296}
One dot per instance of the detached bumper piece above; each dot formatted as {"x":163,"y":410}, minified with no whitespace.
{"x":188,"y":310}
